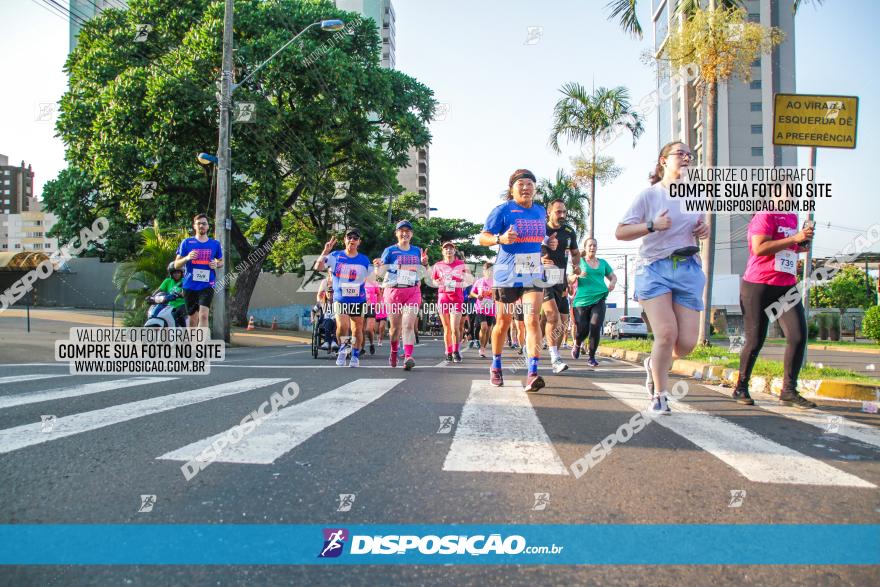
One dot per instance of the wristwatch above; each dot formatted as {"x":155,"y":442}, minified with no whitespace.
{"x":650,"y":225}
{"x":497,"y":239}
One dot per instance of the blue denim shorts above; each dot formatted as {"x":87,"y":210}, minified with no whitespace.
{"x":683,"y":278}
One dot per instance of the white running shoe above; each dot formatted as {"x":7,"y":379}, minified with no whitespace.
{"x":340,"y":358}
{"x":355,"y":362}
{"x":559,"y":366}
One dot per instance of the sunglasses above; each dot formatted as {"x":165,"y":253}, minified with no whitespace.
{"x":353,"y":238}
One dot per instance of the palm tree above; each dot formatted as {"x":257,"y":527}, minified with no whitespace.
{"x":625,"y":11}
{"x":145,"y":273}
{"x":583,"y":118}
{"x":566,"y":189}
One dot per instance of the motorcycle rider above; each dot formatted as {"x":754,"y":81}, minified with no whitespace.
{"x":173,"y":284}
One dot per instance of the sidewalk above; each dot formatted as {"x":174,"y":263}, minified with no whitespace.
{"x":17,"y":345}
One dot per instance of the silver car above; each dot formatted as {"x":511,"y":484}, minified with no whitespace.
{"x":629,"y":326}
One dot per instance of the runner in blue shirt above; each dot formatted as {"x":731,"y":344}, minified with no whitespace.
{"x":519,"y":227}
{"x":201,"y":255}
{"x":349,"y":270}
{"x":403,"y":266}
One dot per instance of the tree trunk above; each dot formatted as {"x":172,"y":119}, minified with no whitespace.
{"x":245,"y":283}
{"x":593,"y":192}
{"x":708,"y":252}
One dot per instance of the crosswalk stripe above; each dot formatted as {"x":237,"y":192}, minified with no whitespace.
{"x":858,"y":431}
{"x":499,"y":432}
{"x":30,"y":434}
{"x":77,"y":390}
{"x":291,"y":426}
{"x":32,"y":377}
{"x":755,"y":457}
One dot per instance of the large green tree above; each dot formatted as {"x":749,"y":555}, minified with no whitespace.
{"x":325,"y":112}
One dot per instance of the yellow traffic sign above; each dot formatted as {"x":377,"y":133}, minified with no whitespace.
{"x":807,"y":120}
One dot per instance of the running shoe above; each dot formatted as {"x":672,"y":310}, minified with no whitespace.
{"x":649,"y":379}
{"x":373,"y":349}
{"x":456,"y":357}
{"x":592,"y":362}
{"x":482,"y":353}
{"x":355,"y":362}
{"x":495,"y":377}
{"x":471,"y":344}
{"x":559,"y":366}
{"x":544,"y":346}
{"x":742,"y":397}
{"x":325,"y":346}
{"x":796,"y":400}
{"x":392,"y":359}
{"x":565,"y":345}
{"x":575,"y":352}
{"x":334,"y":346}
{"x":408,"y":364}
{"x":659,"y":405}
{"x":380,"y":343}
{"x":448,"y":358}
{"x":534,"y":382}
{"x":519,"y":350}
{"x":340,"y":358}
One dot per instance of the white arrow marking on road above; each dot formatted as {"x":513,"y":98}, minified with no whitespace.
{"x":33,"y":377}
{"x":291,"y":426}
{"x":76,"y":390}
{"x":499,"y":432}
{"x":30,"y":434}
{"x":755,"y":457}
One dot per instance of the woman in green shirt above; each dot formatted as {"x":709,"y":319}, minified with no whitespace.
{"x":589,"y":302}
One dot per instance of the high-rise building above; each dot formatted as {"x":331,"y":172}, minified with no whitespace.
{"x":744,"y":121}
{"x":83,"y":10}
{"x":23,"y":224}
{"x":415,"y":176}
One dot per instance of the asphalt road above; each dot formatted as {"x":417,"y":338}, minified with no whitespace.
{"x":384,"y":436}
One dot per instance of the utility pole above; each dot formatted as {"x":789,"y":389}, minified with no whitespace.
{"x":808,"y":262}
{"x":222,"y":220}
{"x":625,"y":285}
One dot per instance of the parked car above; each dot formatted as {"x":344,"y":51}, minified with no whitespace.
{"x":629,"y":326}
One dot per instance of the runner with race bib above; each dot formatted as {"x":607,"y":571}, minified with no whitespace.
{"x":201,"y":255}
{"x":349,"y":270}
{"x":519,"y":227}
{"x":403,"y":266}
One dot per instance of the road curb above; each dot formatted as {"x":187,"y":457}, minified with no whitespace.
{"x":821,"y":388}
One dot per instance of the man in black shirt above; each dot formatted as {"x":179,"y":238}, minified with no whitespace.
{"x":561,"y":238}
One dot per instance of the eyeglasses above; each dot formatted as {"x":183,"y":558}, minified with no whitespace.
{"x":682,"y":154}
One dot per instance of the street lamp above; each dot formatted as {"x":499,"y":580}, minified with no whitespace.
{"x":222,"y":220}
{"x":209,"y":166}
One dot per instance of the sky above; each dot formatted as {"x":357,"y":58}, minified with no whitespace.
{"x":500,"y":92}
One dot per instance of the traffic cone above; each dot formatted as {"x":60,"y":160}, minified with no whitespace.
{"x":250,"y":325}
{"x":274,"y":323}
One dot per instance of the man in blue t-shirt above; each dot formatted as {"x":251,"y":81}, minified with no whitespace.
{"x":518,"y":226}
{"x":201,"y":255}
{"x":349,"y":270}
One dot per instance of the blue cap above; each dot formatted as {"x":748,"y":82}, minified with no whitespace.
{"x":403,"y":224}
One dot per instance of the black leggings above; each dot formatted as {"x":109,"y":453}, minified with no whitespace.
{"x":754,"y":299}
{"x":588,"y":320}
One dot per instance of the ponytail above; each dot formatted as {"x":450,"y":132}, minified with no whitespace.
{"x":657,"y":175}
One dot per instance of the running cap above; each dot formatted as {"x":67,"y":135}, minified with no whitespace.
{"x":446,"y":242}
{"x":353,"y":232}
{"x":403,"y":224}
{"x":521,"y":174}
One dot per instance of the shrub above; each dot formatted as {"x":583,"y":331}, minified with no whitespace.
{"x":812,"y":329}
{"x":871,"y":324}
